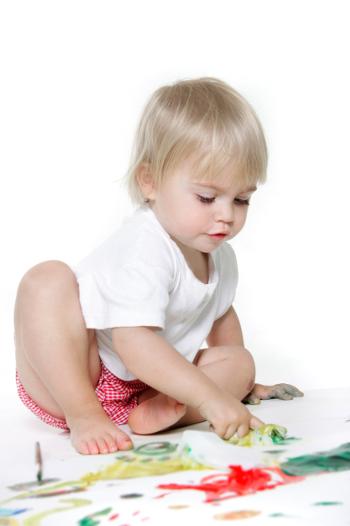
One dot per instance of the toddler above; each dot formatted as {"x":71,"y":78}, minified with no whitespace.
{"x":119,"y":337}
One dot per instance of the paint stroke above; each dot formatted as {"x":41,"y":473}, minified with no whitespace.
{"x":90,"y":520}
{"x":337,"y":459}
{"x":56,"y":492}
{"x":60,"y":489}
{"x":278,"y":515}
{"x":136,"y":467}
{"x":8,"y":521}
{"x":156,"y":448}
{"x":31,"y":484}
{"x":236,"y":515}
{"x":150,"y":459}
{"x":35,"y":520}
{"x":9,"y":512}
{"x":237,"y":482}
{"x":328,"y":503}
{"x":265,"y":435}
{"x":131,"y":496}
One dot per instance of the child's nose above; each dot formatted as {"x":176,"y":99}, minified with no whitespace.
{"x":226,"y":213}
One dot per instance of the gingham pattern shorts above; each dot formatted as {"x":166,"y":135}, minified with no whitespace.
{"x":118,"y":397}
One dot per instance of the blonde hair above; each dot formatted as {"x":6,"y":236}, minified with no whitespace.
{"x":204,"y":117}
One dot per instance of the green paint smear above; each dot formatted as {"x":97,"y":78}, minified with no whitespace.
{"x":89,"y":520}
{"x":266,"y":435}
{"x":328,"y":503}
{"x":337,"y":459}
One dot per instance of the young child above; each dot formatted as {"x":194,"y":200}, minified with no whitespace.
{"x":118,"y":338}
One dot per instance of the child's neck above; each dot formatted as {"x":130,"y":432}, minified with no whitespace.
{"x":196,"y":260}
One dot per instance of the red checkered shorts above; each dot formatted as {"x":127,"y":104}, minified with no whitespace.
{"x":118,"y":397}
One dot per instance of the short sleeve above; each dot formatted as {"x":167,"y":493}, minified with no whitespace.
{"x":132,"y":295}
{"x":228,"y":279}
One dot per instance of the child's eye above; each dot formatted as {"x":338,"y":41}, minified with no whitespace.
{"x":242,"y":201}
{"x":209,"y":200}
{"x":206,"y":200}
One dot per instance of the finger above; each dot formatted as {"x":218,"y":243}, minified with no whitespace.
{"x":242,"y":430}
{"x":211,"y":427}
{"x":265,"y":392}
{"x":294,"y":391}
{"x":230,"y":432}
{"x":255,"y":423}
{"x":219,"y":431}
{"x":283,"y":395}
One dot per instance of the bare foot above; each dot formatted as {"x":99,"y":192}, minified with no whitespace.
{"x":155,"y":414}
{"x":95,"y":433}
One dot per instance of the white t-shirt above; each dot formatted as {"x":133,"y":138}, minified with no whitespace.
{"x":139,"y":277}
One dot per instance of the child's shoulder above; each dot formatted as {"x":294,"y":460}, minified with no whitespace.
{"x":225,"y":253}
{"x":144,"y":237}
{"x":225,"y":259}
{"x":137,"y":241}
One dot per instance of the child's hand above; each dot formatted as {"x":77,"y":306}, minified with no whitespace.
{"x":228,"y":416}
{"x":264,"y":392}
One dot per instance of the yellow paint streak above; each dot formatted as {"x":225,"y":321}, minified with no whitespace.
{"x":35,"y":520}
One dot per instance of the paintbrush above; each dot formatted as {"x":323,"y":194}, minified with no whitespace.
{"x":38,"y":463}
{"x":39,"y":474}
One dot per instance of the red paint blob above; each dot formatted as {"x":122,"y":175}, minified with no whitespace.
{"x":237,"y":482}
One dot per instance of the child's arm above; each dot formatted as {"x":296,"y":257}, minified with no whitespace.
{"x":154,"y":361}
{"x":226,"y":330}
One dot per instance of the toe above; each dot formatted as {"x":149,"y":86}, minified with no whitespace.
{"x":83,"y":448}
{"x":125,"y":444}
{"x":111,"y":443}
{"x":103,"y":446}
{"x":93,"y":447}
{"x":122,"y":440}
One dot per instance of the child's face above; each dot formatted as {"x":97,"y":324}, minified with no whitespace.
{"x":196,"y":213}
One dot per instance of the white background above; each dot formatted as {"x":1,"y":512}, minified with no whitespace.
{"x":75,"y":76}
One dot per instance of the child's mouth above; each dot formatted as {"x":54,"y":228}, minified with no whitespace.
{"x":218,"y":236}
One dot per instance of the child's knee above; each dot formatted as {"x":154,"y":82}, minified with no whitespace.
{"x":44,"y":277}
{"x":242,"y":363}
{"x":250,"y":370}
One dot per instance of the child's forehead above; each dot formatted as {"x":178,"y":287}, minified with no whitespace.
{"x":225,"y":186}
{"x":225,"y":178}
{"x":222,"y":185}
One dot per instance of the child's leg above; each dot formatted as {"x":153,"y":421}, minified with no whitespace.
{"x":57,"y":358}
{"x":230,"y":367}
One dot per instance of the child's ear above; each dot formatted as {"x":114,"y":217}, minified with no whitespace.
{"x":145,"y":181}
